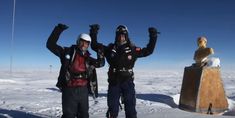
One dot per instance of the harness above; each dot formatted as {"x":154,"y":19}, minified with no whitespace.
{"x":82,"y":75}
{"x":121,"y":70}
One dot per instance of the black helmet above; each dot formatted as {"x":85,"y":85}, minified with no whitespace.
{"x":121,"y":29}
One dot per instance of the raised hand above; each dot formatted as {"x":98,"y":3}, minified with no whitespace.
{"x":153,"y":32}
{"x":62,"y":26}
{"x":94,"y":28}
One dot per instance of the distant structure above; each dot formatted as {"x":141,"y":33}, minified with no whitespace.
{"x":202,"y":88}
{"x":50,"y":68}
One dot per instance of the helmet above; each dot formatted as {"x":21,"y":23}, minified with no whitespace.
{"x":84,"y":37}
{"x":121,"y":29}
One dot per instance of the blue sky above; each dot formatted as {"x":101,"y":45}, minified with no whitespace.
{"x":179,"y":21}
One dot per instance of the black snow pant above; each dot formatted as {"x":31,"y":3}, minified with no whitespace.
{"x":127,"y":90}
{"x":75,"y":102}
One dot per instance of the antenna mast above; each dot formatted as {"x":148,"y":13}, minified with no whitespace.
{"x":12,"y":36}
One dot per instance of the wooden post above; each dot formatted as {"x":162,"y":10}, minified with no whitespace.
{"x":202,"y":89}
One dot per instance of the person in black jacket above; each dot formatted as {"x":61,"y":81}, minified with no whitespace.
{"x":76,"y":68}
{"x":121,"y":56}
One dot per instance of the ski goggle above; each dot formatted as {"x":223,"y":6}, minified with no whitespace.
{"x":122,"y":29}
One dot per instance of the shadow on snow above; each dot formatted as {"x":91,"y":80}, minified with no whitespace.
{"x":150,"y":97}
{"x":153,"y":97}
{"x":16,"y":114}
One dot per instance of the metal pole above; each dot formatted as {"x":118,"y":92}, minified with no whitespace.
{"x":12,"y":36}
{"x":50,"y":68}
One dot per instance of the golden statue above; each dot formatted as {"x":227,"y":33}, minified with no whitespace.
{"x":201,"y":54}
{"x":202,"y":87}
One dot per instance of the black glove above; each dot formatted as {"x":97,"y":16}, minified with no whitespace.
{"x":62,"y":27}
{"x":100,"y":52}
{"x":153,"y":32}
{"x":94,"y":28}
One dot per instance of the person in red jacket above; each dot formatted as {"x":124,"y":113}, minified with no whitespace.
{"x":76,"y":67}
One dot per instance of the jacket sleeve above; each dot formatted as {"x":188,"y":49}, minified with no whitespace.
{"x":146,"y":51}
{"x":52,"y":42}
{"x":100,"y":61}
{"x":96,"y":46}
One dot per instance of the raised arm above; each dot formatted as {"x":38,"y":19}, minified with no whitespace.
{"x":93,"y":33}
{"x":53,"y":38}
{"x":153,"y":34}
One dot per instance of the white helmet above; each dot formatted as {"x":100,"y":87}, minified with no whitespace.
{"x":85,"y":37}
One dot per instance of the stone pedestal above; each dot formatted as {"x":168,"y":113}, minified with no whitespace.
{"x":202,"y":90}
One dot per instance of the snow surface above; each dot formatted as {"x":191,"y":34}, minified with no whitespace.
{"x":34,"y":95}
